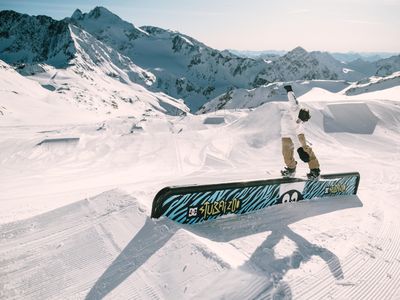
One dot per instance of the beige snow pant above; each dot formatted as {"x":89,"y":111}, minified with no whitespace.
{"x":288,"y":150}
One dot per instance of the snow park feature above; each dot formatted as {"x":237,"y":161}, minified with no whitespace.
{"x":198,"y":203}
{"x":97,"y":116}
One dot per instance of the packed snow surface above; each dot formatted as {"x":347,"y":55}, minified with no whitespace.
{"x":76,"y":200}
{"x":92,"y":127}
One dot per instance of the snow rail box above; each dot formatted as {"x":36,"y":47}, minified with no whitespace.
{"x":198,"y":203}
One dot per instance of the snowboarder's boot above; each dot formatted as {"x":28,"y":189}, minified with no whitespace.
{"x":314,"y":174}
{"x":288,"y":172}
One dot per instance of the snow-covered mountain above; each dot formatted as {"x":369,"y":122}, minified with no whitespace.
{"x":323,"y":90}
{"x":274,"y":92}
{"x":345,"y":57}
{"x":388,"y":66}
{"x":258,"y":54}
{"x":163,"y":61}
{"x":26,"y":39}
{"x":365,"y":56}
{"x":186,"y":68}
{"x":25,"y":101}
{"x":382,"y":67}
{"x":299,"y":64}
{"x":374,"y":84}
{"x":363,"y":66}
{"x":86,"y":73}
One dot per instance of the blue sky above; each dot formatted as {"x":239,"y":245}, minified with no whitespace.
{"x":331,"y":25}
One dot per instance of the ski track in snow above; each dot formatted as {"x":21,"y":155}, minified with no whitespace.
{"x":75,"y":218}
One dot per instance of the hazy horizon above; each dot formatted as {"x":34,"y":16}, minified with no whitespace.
{"x":367,"y":26}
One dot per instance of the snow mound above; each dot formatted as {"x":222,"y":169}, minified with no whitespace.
{"x":349,"y":117}
{"x":24,"y":101}
{"x":66,"y":140}
{"x":214,"y":120}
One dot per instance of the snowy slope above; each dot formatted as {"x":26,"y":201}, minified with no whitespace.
{"x":24,"y":101}
{"x":96,"y":239}
{"x":85,"y":147}
{"x":100,"y":78}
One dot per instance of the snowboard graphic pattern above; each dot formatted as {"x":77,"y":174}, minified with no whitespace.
{"x":334,"y":187}
{"x":196,"y":207}
{"x":198,"y":203}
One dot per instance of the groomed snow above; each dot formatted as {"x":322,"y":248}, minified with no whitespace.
{"x":75,"y":220}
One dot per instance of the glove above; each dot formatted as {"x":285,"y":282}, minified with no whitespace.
{"x":288,"y":88}
{"x":304,"y":115}
{"x":304,"y":156}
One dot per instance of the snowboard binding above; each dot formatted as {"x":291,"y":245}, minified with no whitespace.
{"x":288,"y":172}
{"x":314,"y":174}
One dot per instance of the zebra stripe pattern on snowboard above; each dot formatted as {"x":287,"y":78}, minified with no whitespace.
{"x":198,"y":203}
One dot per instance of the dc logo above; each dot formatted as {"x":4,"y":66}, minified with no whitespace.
{"x":192,"y":211}
{"x":291,"y":196}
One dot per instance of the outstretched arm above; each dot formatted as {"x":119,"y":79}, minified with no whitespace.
{"x":291,"y":97}
{"x":293,"y":110}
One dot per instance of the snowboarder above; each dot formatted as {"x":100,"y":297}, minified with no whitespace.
{"x":292,"y":121}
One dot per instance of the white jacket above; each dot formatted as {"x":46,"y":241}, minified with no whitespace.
{"x":291,"y":126}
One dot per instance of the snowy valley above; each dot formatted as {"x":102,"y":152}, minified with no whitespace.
{"x":97,"y":115}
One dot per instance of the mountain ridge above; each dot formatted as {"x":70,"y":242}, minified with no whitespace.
{"x":168,"y":61}
{"x":79,"y":69}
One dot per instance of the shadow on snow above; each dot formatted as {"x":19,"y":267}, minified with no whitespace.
{"x":155,"y":234}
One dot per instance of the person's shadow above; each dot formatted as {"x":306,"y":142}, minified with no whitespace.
{"x":151,"y":237}
{"x":275,"y":268}
{"x":268,"y":269}
{"x":155,"y":234}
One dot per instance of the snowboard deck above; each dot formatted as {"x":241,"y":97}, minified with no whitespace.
{"x":198,"y":203}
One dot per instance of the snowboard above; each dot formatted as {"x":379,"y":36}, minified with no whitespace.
{"x":199,"y":203}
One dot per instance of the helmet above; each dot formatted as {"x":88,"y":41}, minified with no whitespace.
{"x":304,"y":115}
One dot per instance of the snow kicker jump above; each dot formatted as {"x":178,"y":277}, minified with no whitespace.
{"x":198,"y":203}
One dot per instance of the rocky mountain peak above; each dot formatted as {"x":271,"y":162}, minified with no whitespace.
{"x":100,"y":11}
{"x":33,"y":39}
{"x":298,"y":51}
{"x":77,"y":15}
{"x":107,"y":26}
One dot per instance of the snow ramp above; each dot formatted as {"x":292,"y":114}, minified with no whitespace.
{"x":351,"y":117}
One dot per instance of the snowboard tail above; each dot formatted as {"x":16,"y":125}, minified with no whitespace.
{"x":198,"y":203}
